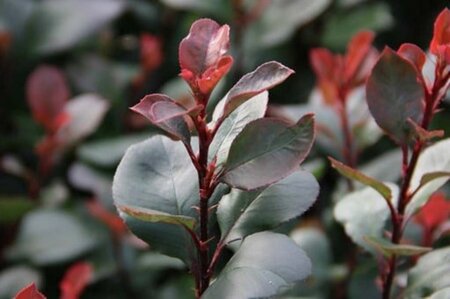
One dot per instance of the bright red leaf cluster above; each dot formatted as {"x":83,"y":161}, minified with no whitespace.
{"x":338,"y":74}
{"x":434,"y":213}
{"x":202,"y":56}
{"x":440,"y":44}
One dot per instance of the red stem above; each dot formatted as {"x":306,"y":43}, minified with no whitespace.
{"x":432,"y":98}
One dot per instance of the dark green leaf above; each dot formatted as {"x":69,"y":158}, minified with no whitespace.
{"x":264,"y":263}
{"x":157,"y":174}
{"x":394,"y":94}
{"x":235,"y":122}
{"x":13,"y":208}
{"x":243,"y":213}
{"x":362,"y":178}
{"x":266,"y":151}
{"x":59,"y":25}
{"x":50,"y":236}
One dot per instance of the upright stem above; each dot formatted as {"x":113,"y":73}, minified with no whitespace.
{"x":347,"y":148}
{"x":432,"y":98}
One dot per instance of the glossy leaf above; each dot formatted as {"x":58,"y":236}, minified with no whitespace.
{"x":251,"y":110}
{"x":263,"y":78}
{"x":430,"y":274}
{"x":388,"y":249}
{"x":354,"y":174}
{"x":243,"y":213}
{"x":264,"y":263}
{"x":75,"y":280}
{"x":364,"y":213}
{"x":59,"y":25}
{"x":413,"y":54}
{"x":43,"y":243}
{"x":29,"y":292}
{"x":47,"y":94}
{"x":14,"y":278}
{"x":266,"y":151}
{"x":441,"y":35}
{"x":166,"y":114}
{"x":158,"y":175}
{"x":85,"y":113}
{"x":431,"y":162}
{"x":394,"y":94}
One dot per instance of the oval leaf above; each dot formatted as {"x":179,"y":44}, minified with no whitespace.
{"x":394,"y":94}
{"x":266,"y":151}
{"x":264,"y":263}
{"x":243,"y":213}
{"x":157,"y":175}
{"x":166,"y":114}
{"x":388,"y":249}
{"x":263,"y":78}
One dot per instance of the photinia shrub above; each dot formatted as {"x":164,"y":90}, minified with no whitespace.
{"x":206,"y":182}
{"x":404,"y":91}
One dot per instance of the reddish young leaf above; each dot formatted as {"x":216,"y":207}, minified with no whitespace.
{"x":441,"y":34}
{"x":202,"y":55}
{"x":166,"y":114}
{"x":151,"y":52}
{"x":323,"y":63}
{"x":47,"y":94}
{"x":413,"y":54}
{"x":434,"y":213}
{"x":357,"y":50}
{"x":113,"y":221}
{"x":29,"y":292}
{"x":75,"y":280}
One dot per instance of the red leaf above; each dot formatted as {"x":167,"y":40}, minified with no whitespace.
{"x":202,"y":54}
{"x":441,"y":34}
{"x":47,"y":94}
{"x":114,"y":222}
{"x":323,"y":63}
{"x":151,"y":52}
{"x":29,"y":292}
{"x":357,"y":50}
{"x":414,"y":54}
{"x":75,"y":280}
{"x":435,"y":212}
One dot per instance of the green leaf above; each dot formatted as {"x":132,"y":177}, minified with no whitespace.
{"x":158,"y":175}
{"x":13,"y":208}
{"x":263,"y":78}
{"x":364,"y":213}
{"x":86,"y":113}
{"x":243,"y":213}
{"x":166,"y":114}
{"x":108,"y":152}
{"x":59,"y":25}
{"x":430,"y":274}
{"x":49,"y":237}
{"x":429,"y":174}
{"x":264,"y":263}
{"x":268,"y":29}
{"x":394,"y":95}
{"x":13,"y":279}
{"x":156,"y":216}
{"x":342,"y":25}
{"x":362,"y":178}
{"x":388,"y":249}
{"x":266,"y":151}
{"x":251,"y":110}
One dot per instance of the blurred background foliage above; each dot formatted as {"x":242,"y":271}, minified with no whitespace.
{"x":111,"y":53}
